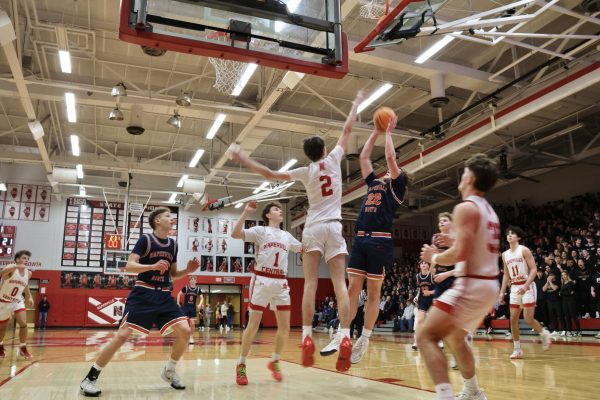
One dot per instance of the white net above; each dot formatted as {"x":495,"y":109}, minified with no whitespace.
{"x":373,"y":9}
{"x":228,"y":74}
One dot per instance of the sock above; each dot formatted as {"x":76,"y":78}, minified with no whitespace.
{"x":306,"y":331}
{"x":517,"y":344}
{"x":242,"y":360}
{"x":275,"y":357}
{"x":345,"y":332}
{"x":171,"y":364}
{"x":471,"y":385}
{"x":94,"y":372}
{"x":443,"y":391}
{"x":366,"y":333}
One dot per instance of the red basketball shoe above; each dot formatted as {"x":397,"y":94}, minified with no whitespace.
{"x":240,"y":374}
{"x":308,"y":351}
{"x":276,"y":370}
{"x":344,"y":355}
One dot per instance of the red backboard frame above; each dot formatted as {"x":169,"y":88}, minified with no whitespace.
{"x":208,"y":49}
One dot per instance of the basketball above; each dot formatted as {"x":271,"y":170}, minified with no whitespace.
{"x":382,"y":118}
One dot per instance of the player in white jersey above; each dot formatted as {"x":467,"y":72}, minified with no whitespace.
{"x":269,"y":285}
{"x":520,"y":269}
{"x":14,"y":283}
{"x":461,"y":308}
{"x":322,"y":235}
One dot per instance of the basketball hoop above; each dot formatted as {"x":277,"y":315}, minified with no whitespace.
{"x":227,"y":72}
{"x":374,"y":9}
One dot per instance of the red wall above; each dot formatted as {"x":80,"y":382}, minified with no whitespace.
{"x":68,"y":306}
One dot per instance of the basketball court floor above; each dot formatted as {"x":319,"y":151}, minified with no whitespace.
{"x":391,"y":369}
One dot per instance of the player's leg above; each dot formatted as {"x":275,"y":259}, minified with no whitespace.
{"x":21,"y":319}
{"x":419,"y":318}
{"x":4,"y":319}
{"x":515,"y":313}
{"x":283,"y":332}
{"x":337,"y":272}
{"x":355,"y":285}
{"x":310,"y":266}
{"x":461,"y":350}
{"x":247,"y":339}
{"x":528,"y":314}
{"x":371,"y":312}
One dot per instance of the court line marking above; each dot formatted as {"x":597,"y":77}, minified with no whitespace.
{"x":9,"y":378}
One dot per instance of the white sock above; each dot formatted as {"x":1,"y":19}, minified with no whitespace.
{"x":345,"y":332}
{"x":366,"y":333}
{"x":97,"y":367}
{"x":306,"y":331}
{"x":171,"y":364}
{"x":242,"y":360}
{"x":275,"y":357}
{"x":471,"y":385}
{"x":443,"y":391}
{"x":517,"y":344}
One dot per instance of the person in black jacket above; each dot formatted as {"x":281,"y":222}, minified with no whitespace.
{"x":569,"y":306}
{"x":43,"y":307}
{"x":553,"y":303}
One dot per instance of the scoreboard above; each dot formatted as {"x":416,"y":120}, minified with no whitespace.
{"x":8,"y":235}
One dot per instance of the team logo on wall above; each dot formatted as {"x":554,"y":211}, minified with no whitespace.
{"x":105,"y":310}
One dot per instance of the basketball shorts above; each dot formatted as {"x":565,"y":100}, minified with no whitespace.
{"x":370,"y":255}
{"x":424,"y":303}
{"x":468,"y":301}
{"x":527,"y":299}
{"x":324,"y":237}
{"x":147,"y":307}
{"x":8,"y":309}
{"x":441,"y":287}
{"x":266,"y":291}
{"x":189,"y":311}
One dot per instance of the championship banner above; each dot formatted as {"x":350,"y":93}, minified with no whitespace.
{"x":104,"y":311}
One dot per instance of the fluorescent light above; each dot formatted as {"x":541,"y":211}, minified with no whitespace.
{"x":380,"y":92}
{"x":2,"y":187}
{"x":75,"y":145}
{"x":81,"y":191}
{"x":215,"y":126}
{"x":65,"y":61}
{"x":244,"y":79}
{"x":71,"y":112}
{"x":261,"y":187}
{"x":196,"y":158}
{"x":183,"y":179}
{"x":291,"y":6}
{"x":288,"y":165}
{"x":79,"y":169}
{"x":239,"y":205}
{"x":172,"y":198}
{"x":440,"y":44}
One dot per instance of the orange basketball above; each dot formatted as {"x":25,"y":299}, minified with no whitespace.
{"x":382,"y":118}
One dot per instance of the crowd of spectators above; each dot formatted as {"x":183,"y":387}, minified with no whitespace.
{"x":564,"y":237}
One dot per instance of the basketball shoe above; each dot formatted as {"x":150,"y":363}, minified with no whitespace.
{"x":333,"y":346}
{"x":170,"y":376}
{"x":23,"y":352}
{"x":240,"y":374}
{"x":343,"y":362}
{"x":359,"y":349}
{"x":90,"y":388}
{"x":516,"y":354}
{"x":275,"y":369}
{"x":308,"y":351}
{"x":546,"y":340}
{"x":467,"y":396}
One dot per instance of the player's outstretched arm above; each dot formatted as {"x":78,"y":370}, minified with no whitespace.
{"x":28,"y":296}
{"x":390,"y":150}
{"x":238,"y":228}
{"x":366,"y":167}
{"x":236,"y":154}
{"x":349,"y":124}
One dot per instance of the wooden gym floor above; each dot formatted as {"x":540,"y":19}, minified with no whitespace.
{"x":391,"y":369}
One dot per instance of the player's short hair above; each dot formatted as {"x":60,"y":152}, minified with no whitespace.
{"x":313,"y":148}
{"x":445,"y":214}
{"x":485,"y":171}
{"x":21,"y":253}
{"x":267,"y":210}
{"x":155,"y":213}
{"x":516,"y":230}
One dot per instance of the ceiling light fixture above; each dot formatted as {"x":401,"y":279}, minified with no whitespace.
{"x":81,"y":191}
{"x":196,"y":158}
{"x":71,"y":111}
{"x":215,"y":126}
{"x":116,"y":114}
{"x":239,"y":205}
{"x":75,"y":145}
{"x":184,"y":99}
{"x":119,"y":90}
{"x":261,"y":187}
{"x":244,"y":79}
{"x":377,"y":94}
{"x":65,"y":61}
{"x":288,"y":165}
{"x":79,"y":169}
{"x":175,"y":121}
{"x":2,"y":187}
{"x":437,"y":46}
{"x":182,"y":180}
{"x":172,"y":198}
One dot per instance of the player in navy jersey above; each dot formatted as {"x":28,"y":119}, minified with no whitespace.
{"x":425,"y":286}
{"x":373,"y":246}
{"x":154,"y":259}
{"x":187,"y":299}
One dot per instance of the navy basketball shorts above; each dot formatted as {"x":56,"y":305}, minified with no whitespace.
{"x":370,"y":255}
{"x":442,"y":286}
{"x":189,"y":311}
{"x":147,"y":307}
{"x":424,"y":303}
